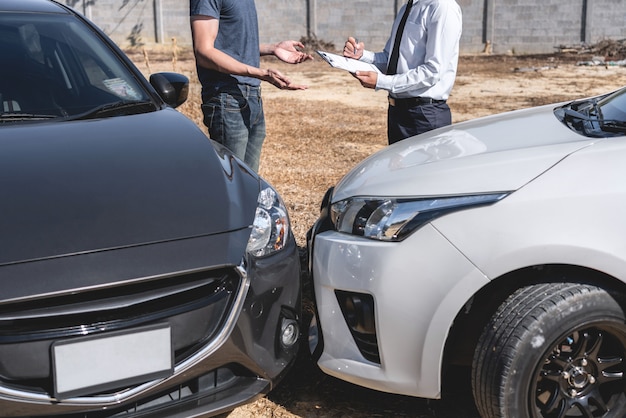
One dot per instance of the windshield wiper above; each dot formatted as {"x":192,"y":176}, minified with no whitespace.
{"x":597,"y":108}
{"x":116,"y":109}
{"x":577,"y":115}
{"x":577,"y":120}
{"x":606,"y":125}
{"x":616,"y":126}
{"x":14,"y":117}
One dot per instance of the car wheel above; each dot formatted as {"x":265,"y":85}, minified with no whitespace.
{"x":552,"y":350}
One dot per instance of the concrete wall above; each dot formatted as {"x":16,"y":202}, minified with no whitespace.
{"x":517,"y":26}
{"x":282,"y":19}
{"x":521,"y":25}
{"x":357,"y":21}
{"x":138,"y":22}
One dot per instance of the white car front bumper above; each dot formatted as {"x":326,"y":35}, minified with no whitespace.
{"x":418,"y":287}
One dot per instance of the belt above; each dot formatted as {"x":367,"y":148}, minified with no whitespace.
{"x":413,"y":101}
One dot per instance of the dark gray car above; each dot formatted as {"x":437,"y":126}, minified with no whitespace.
{"x":143,"y":269}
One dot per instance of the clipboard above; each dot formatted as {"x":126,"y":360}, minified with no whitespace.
{"x":345,"y":63}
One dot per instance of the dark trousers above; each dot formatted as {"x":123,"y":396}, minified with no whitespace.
{"x":405,"y":121}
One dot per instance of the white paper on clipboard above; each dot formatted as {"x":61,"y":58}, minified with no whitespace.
{"x":345,"y":63}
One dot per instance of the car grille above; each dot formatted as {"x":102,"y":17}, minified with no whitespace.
{"x":358,"y":312}
{"x":194,"y":306}
{"x":368,"y":346}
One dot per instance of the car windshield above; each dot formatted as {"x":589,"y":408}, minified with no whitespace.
{"x":55,"y":66}
{"x":602,"y":116}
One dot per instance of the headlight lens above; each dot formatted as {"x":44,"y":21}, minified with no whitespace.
{"x":391,"y":219}
{"x":271,"y":225}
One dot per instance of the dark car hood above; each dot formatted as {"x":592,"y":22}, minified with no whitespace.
{"x":84,"y":186}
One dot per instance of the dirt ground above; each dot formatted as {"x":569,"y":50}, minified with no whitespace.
{"x":315,"y":136}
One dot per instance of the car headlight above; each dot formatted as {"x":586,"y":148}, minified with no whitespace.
{"x":271,"y":225}
{"x":392,"y":219}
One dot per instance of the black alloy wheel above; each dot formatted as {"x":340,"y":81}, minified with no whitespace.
{"x":553,"y":351}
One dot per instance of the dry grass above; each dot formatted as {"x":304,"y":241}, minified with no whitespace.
{"x":306,"y":152}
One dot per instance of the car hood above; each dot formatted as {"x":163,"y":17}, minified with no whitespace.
{"x":77,"y":187}
{"x":494,"y":153}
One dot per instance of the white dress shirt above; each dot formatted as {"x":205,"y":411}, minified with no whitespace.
{"x":429,"y":51}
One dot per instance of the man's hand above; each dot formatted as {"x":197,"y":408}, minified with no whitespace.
{"x":353,"y":48}
{"x":367,"y":78}
{"x":286,"y":51}
{"x":279,"y":80}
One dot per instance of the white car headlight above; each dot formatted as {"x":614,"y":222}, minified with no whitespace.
{"x":271,"y":225}
{"x":393,"y":219}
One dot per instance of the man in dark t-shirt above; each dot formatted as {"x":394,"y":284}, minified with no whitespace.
{"x":226,"y":46}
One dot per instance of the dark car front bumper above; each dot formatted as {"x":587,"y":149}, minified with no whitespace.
{"x":225,"y":321}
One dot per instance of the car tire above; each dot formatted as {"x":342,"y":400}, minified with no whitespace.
{"x":552,"y":350}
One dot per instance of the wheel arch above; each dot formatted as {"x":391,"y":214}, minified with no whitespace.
{"x":471,"y":319}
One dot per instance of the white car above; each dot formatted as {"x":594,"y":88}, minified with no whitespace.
{"x":496,"y":246}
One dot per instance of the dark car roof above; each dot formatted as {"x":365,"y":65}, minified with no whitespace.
{"x":42,"y":6}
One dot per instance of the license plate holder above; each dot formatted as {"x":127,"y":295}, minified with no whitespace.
{"x":112,"y":360}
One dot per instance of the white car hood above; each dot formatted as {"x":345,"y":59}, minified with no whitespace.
{"x":494,"y":153}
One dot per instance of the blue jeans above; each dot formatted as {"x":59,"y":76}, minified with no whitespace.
{"x":235,"y":118}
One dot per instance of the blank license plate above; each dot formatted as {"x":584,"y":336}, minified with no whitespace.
{"x":93,"y":364}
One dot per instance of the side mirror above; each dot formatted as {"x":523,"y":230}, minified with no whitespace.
{"x":172,"y":87}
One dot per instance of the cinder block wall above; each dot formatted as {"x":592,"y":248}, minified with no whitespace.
{"x":334,"y":20}
{"x":535,"y":26}
{"x":606,"y":19}
{"x":282,"y":19}
{"x":175,"y":18}
{"x":518,"y":26}
{"x":472,"y":39}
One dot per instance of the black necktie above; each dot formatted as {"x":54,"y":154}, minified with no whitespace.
{"x":393,"y":61}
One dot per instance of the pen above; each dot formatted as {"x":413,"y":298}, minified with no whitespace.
{"x":356,"y":46}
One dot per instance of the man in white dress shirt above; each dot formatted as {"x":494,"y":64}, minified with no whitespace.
{"x":420,"y":74}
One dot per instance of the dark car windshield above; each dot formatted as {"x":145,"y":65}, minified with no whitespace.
{"x":55,"y":66}
{"x":602,"y":116}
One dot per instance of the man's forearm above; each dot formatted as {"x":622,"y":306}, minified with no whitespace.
{"x":219,"y":61}
{"x":267,"y":49}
